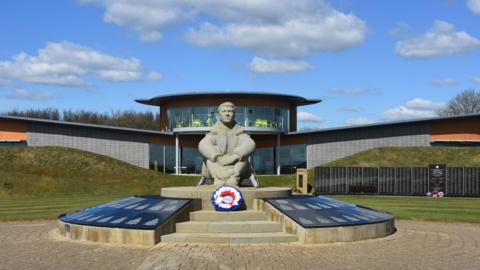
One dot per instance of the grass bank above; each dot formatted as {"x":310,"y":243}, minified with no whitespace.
{"x":411,"y":157}
{"x":43,"y":182}
{"x":55,"y":171}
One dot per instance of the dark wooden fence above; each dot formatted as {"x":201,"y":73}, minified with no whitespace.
{"x":394,"y":181}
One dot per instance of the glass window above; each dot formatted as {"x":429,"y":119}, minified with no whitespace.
{"x":13,"y":143}
{"x":191,"y":160}
{"x":292,"y":157}
{"x":262,"y":160}
{"x":249,"y":116}
{"x":163,"y":156}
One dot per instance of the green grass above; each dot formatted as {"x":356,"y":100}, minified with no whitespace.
{"x":411,"y":157}
{"x":53,"y":171}
{"x":411,"y":208}
{"x":43,"y":182}
{"x":421,"y":208}
{"x":47,"y":207}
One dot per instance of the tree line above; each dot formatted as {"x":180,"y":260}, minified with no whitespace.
{"x":466,"y":102}
{"x":128,"y":118}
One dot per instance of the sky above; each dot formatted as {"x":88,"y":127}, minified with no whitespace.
{"x":369,"y":61}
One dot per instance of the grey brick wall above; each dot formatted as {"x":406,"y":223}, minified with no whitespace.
{"x":328,"y":146}
{"x":130,"y":147}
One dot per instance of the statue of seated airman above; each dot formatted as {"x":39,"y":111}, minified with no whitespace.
{"x":226,"y":149}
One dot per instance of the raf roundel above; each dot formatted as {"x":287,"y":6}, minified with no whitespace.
{"x":227,"y":198}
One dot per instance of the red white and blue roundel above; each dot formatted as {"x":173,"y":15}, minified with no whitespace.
{"x":227,"y":198}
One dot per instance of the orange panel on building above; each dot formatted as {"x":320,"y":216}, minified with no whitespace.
{"x":455,"y":130}
{"x":13,"y":130}
{"x":293,"y":139}
{"x":190,"y":140}
{"x":161,"y":139}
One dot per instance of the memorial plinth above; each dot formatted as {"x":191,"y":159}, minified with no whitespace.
{"x":186,"y":215}
{"x":203,"y":194}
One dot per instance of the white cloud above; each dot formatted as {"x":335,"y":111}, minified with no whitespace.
{"x":307,"y":117}
{"x":145,"y":17}
{"x":444,"y":82}
{"x":66,"y":63}
{"x":440,"y":40}
{"x":297,"y":32}
{"x":476,"y":79}
{"x":261,"y":65}
{"x":415,"y":108}
{"x":154,"y":76}
{"x":274,"y":28}
{"x":358,"y":121}
{"x":26,"y":95}
{"x":5,"y":83}
{"x":354,"y":91}
{"x":474,"y":6}
{"x":401,"y":31}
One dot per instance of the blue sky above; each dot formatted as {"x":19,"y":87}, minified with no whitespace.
{"x":370,"y":61}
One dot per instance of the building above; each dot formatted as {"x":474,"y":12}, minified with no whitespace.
{"x":269,"y":118}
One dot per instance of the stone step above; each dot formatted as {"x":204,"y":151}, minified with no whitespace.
{"x":246,"y":215}
{"x":229,"y":238}
{"x":256,"y":226}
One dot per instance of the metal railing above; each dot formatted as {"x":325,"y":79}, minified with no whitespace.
{"x":459,"y":181}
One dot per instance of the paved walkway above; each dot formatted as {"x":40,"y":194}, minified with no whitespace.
{"x":416,"y":245}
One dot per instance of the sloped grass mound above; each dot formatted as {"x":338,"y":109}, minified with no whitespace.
{"x":411,"y":157}
{"x":44,"y":171}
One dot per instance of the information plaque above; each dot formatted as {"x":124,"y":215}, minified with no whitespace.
{"x":437,"y":174}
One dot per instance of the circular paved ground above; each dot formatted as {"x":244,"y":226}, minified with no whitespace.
{"x":416,"y":245}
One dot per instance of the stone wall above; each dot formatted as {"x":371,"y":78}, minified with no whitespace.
{"x":131,"y":147}
{"x":327,"y":146}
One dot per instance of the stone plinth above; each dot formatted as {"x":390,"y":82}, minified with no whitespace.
{"x":204,"y":193}
{"x":328,"y":234}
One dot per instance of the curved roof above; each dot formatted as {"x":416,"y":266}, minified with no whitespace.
{"x":159,"y":100}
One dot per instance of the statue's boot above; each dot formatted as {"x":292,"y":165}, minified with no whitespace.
{"x":218,"y":182}
{"x":234,"y":181}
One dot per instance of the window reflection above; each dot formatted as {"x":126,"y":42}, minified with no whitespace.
{"x":248,"y":116}
{"x":262,"y":160}
{"x":292,"y":157}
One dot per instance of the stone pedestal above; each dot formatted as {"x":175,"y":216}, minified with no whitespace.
{"x":203,"y":194}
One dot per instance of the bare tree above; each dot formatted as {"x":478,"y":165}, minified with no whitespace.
{"x":131,"y":119}
{"x":466,"y":102}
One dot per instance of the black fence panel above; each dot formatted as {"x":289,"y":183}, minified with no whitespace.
{"x":419,"y":181}
{"x":386,"y":181}
{"x":394,"y":181}
{"x":402,"y":181}
{"x":338,"y":180}
{"x":472,"y":181}
{"x":370,"y":180}
{"x":455,"y":181}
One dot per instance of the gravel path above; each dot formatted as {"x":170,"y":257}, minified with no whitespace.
{"x":416,"y":245}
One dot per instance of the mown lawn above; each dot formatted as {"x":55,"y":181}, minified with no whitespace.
{"x":47,"y":207}
{"x":412,"y":208}
{"x":44,"y":182}
{"x":421,"y":208}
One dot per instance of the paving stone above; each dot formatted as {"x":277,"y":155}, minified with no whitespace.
{"x":416,"y":245}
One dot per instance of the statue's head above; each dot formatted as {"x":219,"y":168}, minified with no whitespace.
{"x":226,"y":111}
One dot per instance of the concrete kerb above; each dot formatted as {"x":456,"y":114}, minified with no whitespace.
{"x":207,"y":223}
{"x":126,"y":236}
{"x":326,"y":235}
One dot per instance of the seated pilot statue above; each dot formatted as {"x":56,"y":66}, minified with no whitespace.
{"x":226,"y":149}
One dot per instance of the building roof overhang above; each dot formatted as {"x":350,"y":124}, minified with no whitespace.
{"x":164,"y":99}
